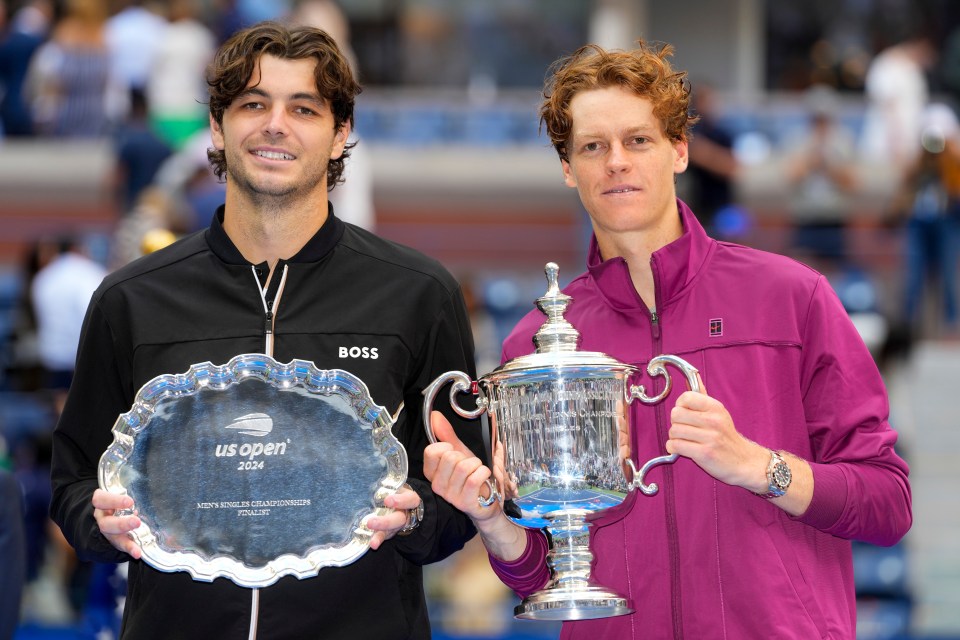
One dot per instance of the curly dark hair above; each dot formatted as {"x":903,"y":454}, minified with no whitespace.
{"x":235,"y":61}
{"x":644,"y":70}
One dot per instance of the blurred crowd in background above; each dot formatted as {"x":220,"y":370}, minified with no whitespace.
{"x":848,"y":159}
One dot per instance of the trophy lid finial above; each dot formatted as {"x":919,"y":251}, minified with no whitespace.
{"x":556,"y":334}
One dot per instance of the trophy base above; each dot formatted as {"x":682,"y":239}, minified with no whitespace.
{"x":585,"y":603}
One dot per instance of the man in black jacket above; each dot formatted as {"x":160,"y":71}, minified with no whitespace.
{"x":276,"y":273}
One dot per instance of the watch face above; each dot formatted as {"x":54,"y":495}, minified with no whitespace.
{"x":781,"y":475}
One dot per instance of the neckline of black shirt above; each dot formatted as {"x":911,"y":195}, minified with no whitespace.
{"x":322,"y":242}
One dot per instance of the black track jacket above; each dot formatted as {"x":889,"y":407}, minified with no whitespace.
{"x":199,"y":300}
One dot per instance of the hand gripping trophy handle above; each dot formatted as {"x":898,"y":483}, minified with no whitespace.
{"x":461,"y":384}
{"x":657,"y":367}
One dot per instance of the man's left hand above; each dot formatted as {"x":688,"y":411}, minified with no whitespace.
{"x":385,"y":527}
{"x":701,"y":429}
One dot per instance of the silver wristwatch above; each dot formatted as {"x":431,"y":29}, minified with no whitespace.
{"x":414,"y":516}
{"x":778,"y":476}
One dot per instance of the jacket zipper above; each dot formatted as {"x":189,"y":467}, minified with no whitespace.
{"x":268,"y":332}
{"x":254,"y":613}
{"x":670,"y":504}
{"x":270,"y":297}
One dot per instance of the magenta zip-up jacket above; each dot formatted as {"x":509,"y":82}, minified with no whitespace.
{"x":702,"y":559}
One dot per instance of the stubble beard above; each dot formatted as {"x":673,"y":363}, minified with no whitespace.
{"x":268,"y":195}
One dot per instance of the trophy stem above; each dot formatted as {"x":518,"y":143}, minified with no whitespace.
{"x":571,"y":594}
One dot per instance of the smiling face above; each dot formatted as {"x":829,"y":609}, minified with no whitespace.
{"x":623,"y":165}
{"x":279,"y":134}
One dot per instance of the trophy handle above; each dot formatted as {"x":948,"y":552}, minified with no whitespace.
{"x":657,"y":367}
{"x":461,"y":384}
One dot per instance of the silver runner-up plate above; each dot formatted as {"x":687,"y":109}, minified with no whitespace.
{"x":254,"y":470}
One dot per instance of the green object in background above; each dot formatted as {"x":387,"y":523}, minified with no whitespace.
{"x":176,"y":131}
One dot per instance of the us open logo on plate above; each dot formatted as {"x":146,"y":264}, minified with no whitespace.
{"x":257,"y":425}
{"x":252,"y":424}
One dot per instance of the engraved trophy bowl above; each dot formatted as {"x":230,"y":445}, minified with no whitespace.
{"x":557,"y":416}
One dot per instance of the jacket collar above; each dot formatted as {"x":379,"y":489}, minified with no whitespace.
{"x":316,"y":248}
{"x":674,"y":266}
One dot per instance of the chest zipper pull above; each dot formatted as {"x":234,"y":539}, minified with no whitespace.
{"x":655,"y":324}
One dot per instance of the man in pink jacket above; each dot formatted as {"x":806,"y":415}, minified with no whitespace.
{"x":786,"y":457}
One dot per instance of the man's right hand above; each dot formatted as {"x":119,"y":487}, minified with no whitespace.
{"x":115,"y":528}
{"x":460,"y":478}
{"x":455,"y":473}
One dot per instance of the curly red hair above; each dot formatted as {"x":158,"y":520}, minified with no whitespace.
{"x":644,"y":70}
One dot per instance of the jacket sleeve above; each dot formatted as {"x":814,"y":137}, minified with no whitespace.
{"x":95,"y":400}
{"x":529,"y":572}
{"x":861,"y":490}
{"x":449,"y":347}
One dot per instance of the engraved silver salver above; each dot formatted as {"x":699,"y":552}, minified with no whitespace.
{"x":558,"y":419}
{"x":254,"y":469}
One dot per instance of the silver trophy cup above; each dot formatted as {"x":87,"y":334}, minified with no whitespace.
{"x":558,"y":416}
